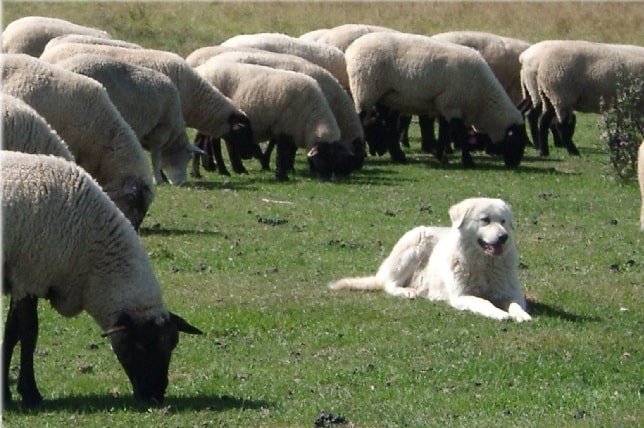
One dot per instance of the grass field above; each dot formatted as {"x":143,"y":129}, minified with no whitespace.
{"x":246,"y":259}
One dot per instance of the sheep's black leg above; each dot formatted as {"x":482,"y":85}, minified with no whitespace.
{"x":395,"y":152}
{"x":427,"y":138}
{"x":25,"y":317}
{"x":443,"y":142}
{"x":533,"y":123}
{"x":11,"y":337}
{"x":566,"y":131}
{"x":196,"y":157}
{"x":460,"y":136}
{"x":235,"y":160}
{"x":215,"y":144}
{"x":283,"y":163}
{"x":545,"y":119}
{"x":265,"y":160}
{"x":403,"y":129}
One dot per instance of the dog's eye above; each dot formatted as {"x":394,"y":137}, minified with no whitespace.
{"x":485,"y":220}
{"x":502,"y":221}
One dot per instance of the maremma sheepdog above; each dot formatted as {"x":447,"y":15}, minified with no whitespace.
{"x":472,"y":264}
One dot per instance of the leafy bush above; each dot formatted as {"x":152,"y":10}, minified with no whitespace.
{"x":622,"y":123}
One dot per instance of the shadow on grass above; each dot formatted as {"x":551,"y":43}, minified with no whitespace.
{"x":104,"y":403}
{"x":159,"y":231}
{"x":542,"y":309}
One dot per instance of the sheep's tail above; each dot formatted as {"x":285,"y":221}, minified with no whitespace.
{"x":366,"y":283}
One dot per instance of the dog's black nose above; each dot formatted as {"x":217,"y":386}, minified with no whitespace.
{"x":502,"y":238}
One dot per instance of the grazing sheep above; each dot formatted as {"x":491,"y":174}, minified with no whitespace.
{"x":150,"y":103}
{"x":324,"y":55}
{"x":282,"y":105}
{"x":351,"y":132}
{"x":575,"y":75}
{"x":343,"y":35}
{"x":30,"y":34}
{"x":65,"y":241}
{"x":203,"y":106}
{"x":416,"y":74}
{"x":81,"y":112}
{"x":640,"y":179}
{"x":24,"y":130}
{"x":203,"y":54}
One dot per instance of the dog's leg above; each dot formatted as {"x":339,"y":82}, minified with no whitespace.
{"x":517,"y":313}
{"x":479,"y":306}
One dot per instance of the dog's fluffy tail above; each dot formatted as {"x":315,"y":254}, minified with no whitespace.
{"x":366,"y":283}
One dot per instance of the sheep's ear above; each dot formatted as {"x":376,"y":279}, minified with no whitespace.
{"x":182,"y":325}
{"x":122,"y":324}
{"x":458,"y":212}
{"x":194,"y":149}
{"x":313,"y":151}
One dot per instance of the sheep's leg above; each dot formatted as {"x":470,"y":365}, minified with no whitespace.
{"x":22,"y":325}
{"x":196,"y":157}
{"x":533,"y":122}
{"x":403,"y":129}
{"x":235,"y":160}
{"x":427,"y":138}
{"x":460,"y":136}
{"x":219,"y":158}
{"x":11,"y":331}
{"x":566,"y":129}
{"x":155,"y":155}
{"x":265,"y":160}
{"x":395,"y":151}
{"x":545,"y":119}
{"x":282,"y":161}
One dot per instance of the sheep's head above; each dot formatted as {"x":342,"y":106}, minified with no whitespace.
{"x":513,"y":145}
{"x":241,"y":137}
{"x":144,"y":350}
{"x":133,"y":199}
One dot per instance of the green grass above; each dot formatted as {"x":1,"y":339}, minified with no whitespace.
{"x":279,"y":348}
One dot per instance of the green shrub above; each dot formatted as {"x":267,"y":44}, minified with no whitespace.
{"x":622,"y":123}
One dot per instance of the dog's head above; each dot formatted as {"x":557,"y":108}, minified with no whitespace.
{"x":487,"y":223}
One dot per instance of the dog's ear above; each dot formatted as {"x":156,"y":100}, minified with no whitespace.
{"x":458,"y":212}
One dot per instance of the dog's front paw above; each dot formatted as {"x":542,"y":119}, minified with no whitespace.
{"x":518,"y":314}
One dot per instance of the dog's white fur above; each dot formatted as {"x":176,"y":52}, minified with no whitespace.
{"x":471,"y":265}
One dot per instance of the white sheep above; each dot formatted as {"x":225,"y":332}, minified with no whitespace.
{"x":30,"y":34}
{"x":24,"y":130}
{"x":81,"y":112}
{"x":351,"y":132}
{"x":324,"y":55}
{"x":150,"y":103}
{"x":282,"y":105}
{"x":343,"y":35}
{"x":640,"y":179}
{"x":64,"y":240}
{"x":415,"y":74}
{"x":313,"y":35}
{"x":203,"y":106}
{"x":576,"y":75}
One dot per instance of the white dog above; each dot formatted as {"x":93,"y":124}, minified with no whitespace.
{"x":471,"y":265}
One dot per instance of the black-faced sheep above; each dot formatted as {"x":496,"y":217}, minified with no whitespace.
{"x":351,"y":132}
{"x":574,"y":75}
{"x":286,"y":106}
{"x":416,"y":74}
{"x":150,"y":103}
{"x":30,"y":34}
{"x":203,"y":106}
{"x":81,"y":112}
{"x":65,"y":241}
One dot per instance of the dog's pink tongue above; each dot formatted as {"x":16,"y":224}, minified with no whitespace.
{"x":494,"y":249}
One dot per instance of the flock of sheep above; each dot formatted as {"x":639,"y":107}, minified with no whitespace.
{"x":96,"y":103}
